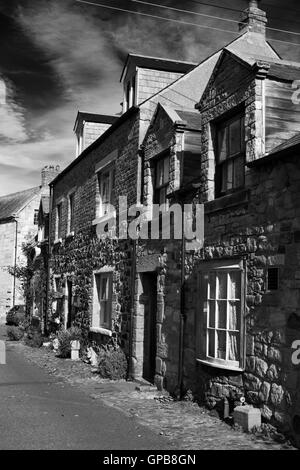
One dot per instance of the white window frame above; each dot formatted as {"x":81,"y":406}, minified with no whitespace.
{"x":58,"y":222}
{"x":98,"y":326}
{"x":70,"y":195}
{"x":203,"y":316}
{"x":108,"y":170}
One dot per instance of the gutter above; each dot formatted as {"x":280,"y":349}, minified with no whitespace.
{"x":274,"y":156}
{"x":182,"y":310}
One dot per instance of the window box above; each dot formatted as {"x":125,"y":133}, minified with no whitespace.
{"x":220,"y":316}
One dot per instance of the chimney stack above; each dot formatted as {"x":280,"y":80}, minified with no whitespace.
{"x":48,"y":174}
{"x":254,"y":19}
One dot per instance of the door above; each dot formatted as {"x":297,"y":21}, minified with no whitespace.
{"x":69,"y":304}
{"x":149,"y":282}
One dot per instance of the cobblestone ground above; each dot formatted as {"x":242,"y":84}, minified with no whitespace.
{"x":187,"y":425}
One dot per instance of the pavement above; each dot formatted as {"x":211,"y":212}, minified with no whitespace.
{"x":38,"y":411}
{"x":52,"y":403}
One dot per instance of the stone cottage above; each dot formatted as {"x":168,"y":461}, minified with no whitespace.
{"x":19,"y":219}
{"x":227,"y":314}
{"x":18,"y":223}
{"x":220,"y":317}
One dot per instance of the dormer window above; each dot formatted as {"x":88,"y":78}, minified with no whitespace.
{"x":162,"y":179}
{"x":230,"y":161}
{"x":130,"y":93}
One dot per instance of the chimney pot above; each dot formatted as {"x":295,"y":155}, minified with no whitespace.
{"x":48,"y":174}
{"x":254,"y":19}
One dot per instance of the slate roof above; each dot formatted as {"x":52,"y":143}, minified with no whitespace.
{"x":157,"y":63}
{"x":11,"y":204}
{"x":292,"y":142}
{"x":91,"y":117}
{"x":192,"y":118}
{"x":281,"y":150}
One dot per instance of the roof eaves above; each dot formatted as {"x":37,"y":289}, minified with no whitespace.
{"x":275,"y":155}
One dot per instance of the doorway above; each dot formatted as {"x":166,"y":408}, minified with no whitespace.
{"x":69,"y":304}
{"x":149,"y":284}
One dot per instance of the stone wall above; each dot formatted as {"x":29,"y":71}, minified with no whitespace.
{"x":264,"y":232}
{"x":7,"y":241}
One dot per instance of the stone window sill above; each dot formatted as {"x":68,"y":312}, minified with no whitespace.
{"x":102,"y":331}
{"x":57,"y":241}
{"x":70,"y":234}
{"x":220,"y":366}
{"x":228,"y":201}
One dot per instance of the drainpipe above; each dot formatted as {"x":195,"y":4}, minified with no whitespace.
{"x":133,"y":275}
{"x":15,"y":262}
{"x":182,"y":309}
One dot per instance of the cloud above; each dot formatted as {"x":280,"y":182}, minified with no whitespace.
{"x":12,"y":127}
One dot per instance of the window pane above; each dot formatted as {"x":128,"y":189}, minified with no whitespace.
{"x":212,"y":284}
{"x":221,"y":344}
{"x":163,"y":196}
{"x":222,"y":144}
{"x":104,"y":286}
{"x":104,"y":312}
{"x":235,"y":285}
{"x":212,"y":321}
{"x":227,"y":176}
{"x":233,"y":347}
{"x":211,"y":343}
{"x":159,"y":173}
{"x":235,"y":137}
{"x":222,"y":287}
{"x":166,"y":169}
{"x":222,"y":305}
{"x":239,"y":172}
{"x":234,"y":315}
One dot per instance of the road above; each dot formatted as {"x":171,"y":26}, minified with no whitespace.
{"x":38,"y":411}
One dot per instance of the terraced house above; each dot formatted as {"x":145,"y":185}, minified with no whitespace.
{"x":220,"y":317}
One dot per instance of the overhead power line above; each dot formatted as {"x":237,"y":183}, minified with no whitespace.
{"x":173,"y":20}
{"x":155,"y":16}
{"x":204,"y":14}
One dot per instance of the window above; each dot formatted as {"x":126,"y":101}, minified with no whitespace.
{"x":162,"y":178}
{"x":221,"y":316}
{"x":71,"y":213}
{"x":230,"y":168}
{"x":273,"y":278}
{"x":106,"y":180}
{"x":59,"y":221}
{"x":133,"y":91}
{"x":102,"y":300}
{"x":36,"y":217}
{"x":128,"y":104}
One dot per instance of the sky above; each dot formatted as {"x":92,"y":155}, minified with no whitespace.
{"x":61,"y":56}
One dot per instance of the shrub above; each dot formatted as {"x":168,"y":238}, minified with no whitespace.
{"x":64,"y":340}
{"x":14,"y":333}
{"x":15,"y":315}
{"x":34,"y":337}
{"x":112,"y":364}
